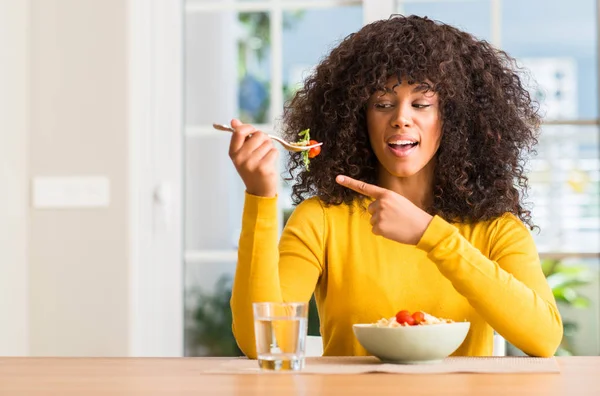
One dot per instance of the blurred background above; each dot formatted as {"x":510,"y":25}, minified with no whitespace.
{"x":121,"y":209}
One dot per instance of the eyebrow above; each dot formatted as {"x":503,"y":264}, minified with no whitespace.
{"x":422,"y":87}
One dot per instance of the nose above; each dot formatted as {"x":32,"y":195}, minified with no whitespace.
{"x":402,"y":118}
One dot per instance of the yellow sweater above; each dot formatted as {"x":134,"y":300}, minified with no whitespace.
{"x":487,"y":273}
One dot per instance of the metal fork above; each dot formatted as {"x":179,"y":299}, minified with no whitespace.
{"x":289,"y":146}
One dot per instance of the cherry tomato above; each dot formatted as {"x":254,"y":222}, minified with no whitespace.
{"x":405,"y":317}
{"x":313,"y":152}
{"x":419,"y":317}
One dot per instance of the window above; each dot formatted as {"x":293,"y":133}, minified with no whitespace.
{"x":244,"y":58}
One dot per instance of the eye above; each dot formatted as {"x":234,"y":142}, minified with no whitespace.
{"x":421,"y":105}
{"x":383,"y":105}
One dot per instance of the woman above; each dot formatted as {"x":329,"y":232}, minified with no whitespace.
{"x":425,"y":127}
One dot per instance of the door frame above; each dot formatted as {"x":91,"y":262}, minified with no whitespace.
{"x":155,"y":34}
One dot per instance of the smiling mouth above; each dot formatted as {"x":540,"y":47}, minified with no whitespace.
{"x":402,"y":148}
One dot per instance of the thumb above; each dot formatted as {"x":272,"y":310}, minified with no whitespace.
{"x":235,"y":122}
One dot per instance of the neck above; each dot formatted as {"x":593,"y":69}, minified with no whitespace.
{"x":417,"y":188}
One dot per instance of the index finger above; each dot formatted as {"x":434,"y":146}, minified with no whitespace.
{"x":360,"y":186}
{"x":239,"y":135}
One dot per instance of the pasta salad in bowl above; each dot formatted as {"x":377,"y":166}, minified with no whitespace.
{"x":411,"y":338}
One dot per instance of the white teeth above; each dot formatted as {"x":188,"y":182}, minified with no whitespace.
{"x":402,"y":142}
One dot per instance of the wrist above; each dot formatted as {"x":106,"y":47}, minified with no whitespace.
{"x":262,"y":193}
{"x":423,"y":224}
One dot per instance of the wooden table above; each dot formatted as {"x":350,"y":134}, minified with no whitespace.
{"x":180,"y":376}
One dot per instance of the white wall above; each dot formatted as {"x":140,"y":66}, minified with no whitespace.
{"x":91,"y":88}
{"x":14,"y":96}
{"x":79,"y":258}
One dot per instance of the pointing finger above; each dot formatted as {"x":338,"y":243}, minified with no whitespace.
{"x":361,"y":187}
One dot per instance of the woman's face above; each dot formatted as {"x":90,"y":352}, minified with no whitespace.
{"x":404,"y":127}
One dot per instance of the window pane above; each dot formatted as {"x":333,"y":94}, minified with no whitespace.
{"x":340,"y":2}
{"x":214,"y":194}
{"x":308,"y":36}
{"x":207,"y":313}
{"x":472,"y":16}
{"x":200,"y":3}
{"x":227,"y":67}
{"x":575,"y":283}
{"x":254,"y":59}
{"x":564,"y":182}
{"x":583,"y":321}
{"x":561,"y":43}
{"x":576,"y":286}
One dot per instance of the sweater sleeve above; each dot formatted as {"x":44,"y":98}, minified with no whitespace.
{"x":267,"y":272}
{"x":508,"y":289}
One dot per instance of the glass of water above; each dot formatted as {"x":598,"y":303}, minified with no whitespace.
{"x":280,"y":331}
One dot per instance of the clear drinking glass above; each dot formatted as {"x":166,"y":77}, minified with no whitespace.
{"x":280,"y":331}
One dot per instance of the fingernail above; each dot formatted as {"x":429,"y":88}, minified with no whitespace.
{"x":340,"y":179}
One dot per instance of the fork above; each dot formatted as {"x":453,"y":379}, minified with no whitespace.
{"x":288,"y":146}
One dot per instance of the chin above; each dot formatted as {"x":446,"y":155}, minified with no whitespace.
{"x":402,"y":171}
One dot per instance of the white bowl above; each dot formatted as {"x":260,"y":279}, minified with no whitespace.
{"x":412,"y":344}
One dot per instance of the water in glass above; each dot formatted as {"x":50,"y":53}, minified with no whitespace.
{"x":280,"y":331}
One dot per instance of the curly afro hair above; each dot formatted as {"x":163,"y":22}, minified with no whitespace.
{"x":490,"y":122}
